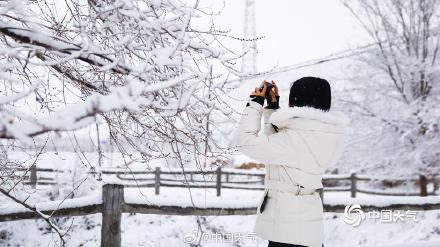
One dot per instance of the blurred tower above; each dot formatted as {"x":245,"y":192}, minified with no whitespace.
{"x":249,"y":60}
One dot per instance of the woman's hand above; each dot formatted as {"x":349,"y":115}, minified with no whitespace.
{"x":275,"y":88}
{"x":260,"y":92}
{"x":274,"y":94}
{"x":274,"y":97}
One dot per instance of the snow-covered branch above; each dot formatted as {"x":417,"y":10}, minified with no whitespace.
{"x":139,"y":65}
{"x":402,"y":90}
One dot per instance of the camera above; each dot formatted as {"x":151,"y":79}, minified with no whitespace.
{"x":269,"y":87}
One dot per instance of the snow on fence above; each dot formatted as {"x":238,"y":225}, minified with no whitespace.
{"x":236,"y":179}
{"x":112,"y":203}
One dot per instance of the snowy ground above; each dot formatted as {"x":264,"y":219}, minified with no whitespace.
{"x":160,"y":230}
{"x":154,"y":231}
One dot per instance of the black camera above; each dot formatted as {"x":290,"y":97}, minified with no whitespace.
{"x":269,"y":87}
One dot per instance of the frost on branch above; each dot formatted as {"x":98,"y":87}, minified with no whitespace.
{"x":400,"y":88}
{"x":140,"y":66}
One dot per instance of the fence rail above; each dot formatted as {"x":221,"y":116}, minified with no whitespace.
{"x":250,"y":180}
{"x":113,"y":205}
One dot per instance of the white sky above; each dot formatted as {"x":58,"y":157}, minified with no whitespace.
{"x":295,"y":30}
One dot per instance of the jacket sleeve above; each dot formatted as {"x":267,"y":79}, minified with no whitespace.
{"x":269,"y":149}
{"x":271,"y":107}
{"x":268,"y":127}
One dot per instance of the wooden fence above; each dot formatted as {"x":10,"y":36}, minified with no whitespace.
{"x":249,"y":180}
{"x":113,"y":206}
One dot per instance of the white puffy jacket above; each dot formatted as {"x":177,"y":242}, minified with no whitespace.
{"x":308,"y":142}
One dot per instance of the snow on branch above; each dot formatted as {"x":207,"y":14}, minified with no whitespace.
{"x":79,"y":115}
{"x":142,"y":67}
{"x":399,"y":92}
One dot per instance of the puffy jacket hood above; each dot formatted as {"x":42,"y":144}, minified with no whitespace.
{"x":282,"y":117}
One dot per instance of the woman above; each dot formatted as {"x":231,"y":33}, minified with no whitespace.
{"x":300,"y":142}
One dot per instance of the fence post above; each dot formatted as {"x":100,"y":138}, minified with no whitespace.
{"x":436,"y":186}
{"x":353,"y":184}
{"x":219,"y":180}
{"x":33,"y":177}
{"x":113,"y":201}
{"x":157,"y":181}
{"x":227,"y":177}
{"x":423,"y":185}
